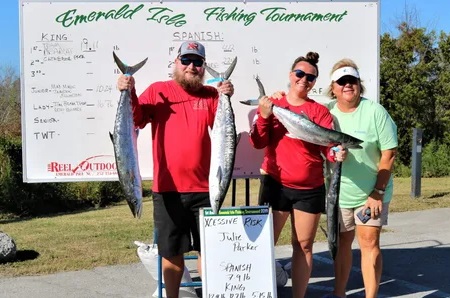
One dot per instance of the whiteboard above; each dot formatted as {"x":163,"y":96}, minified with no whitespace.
{"x":68,"y":76}
{"x":237,"y":252}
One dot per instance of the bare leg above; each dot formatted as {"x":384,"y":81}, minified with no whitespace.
{"x":279,"y":219}
{"x":199,"y":265}
{"x":304,"y":228}
{"x":173,"y":268}
{"x":343,"y":262}
{"x":371,"y":258}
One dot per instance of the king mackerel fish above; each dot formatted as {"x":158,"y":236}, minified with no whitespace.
{"x":300,"y":127}
{"x":223,"y":144}
{"x":333,"y":210}
{"x":124,"y":139}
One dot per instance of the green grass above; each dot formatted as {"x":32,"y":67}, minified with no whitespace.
{"x":105,"y":237}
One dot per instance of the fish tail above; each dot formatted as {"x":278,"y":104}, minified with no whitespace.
{"x":230,"y":69}
{"x":262,"y":92}
{"x":128,"y":70}
{"x":225,"y":75}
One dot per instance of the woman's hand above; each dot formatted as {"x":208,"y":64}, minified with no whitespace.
{"x":265,"y":107}
{"x":341,"y":154}
{"x":375,"y":203}
{"x":278,"y":95}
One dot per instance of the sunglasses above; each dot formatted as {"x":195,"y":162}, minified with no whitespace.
{"x":300,"y":74}
{"x":187,"y":61}
{"x":347,"y":80}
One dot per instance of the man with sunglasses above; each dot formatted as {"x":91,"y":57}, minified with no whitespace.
{"x":181,"y":112}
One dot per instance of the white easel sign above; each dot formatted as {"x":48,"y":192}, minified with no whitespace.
{"x":237,"y":253}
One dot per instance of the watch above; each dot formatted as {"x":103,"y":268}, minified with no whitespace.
{"x":379,"y":191}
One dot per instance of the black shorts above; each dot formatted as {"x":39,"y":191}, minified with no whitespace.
{"x":176,"y":217}
{"x":283,"y":198}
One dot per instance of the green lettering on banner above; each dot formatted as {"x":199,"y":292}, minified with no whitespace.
{"x":70,"y":18}
{"x":221,"y":15}
{"x":166,"y":16}
{"x":161,"y":14}
{"x":278,"y":14}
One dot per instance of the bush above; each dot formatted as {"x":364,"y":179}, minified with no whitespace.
{"x":401,"y":170}
{"x":31,"y":199}
{"x":436,"y":160}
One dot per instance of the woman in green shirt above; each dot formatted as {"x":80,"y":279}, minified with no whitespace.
{"x":366,"y":181}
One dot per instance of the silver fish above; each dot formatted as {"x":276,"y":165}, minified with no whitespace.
{"x":223,"y":145}
{"x":333,"y":210}
{"x":124,"y":139}
{"x":300,"y":127}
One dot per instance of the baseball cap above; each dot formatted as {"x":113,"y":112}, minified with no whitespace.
{"x":191,"y":47}
{"x":344,"y":71}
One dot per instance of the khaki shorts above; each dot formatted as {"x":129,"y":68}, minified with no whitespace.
{"x":348,"y":219}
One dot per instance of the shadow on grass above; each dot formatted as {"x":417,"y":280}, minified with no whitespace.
{"x":438,"y":195}
{"x":24,"y":255}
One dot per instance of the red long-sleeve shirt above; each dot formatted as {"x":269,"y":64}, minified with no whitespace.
{"x":293,"y":162}
{"x":180,"y":138}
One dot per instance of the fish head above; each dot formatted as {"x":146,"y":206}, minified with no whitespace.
{"x":352,"y":143}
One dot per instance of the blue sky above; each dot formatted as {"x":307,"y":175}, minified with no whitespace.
{"x":432,"y":14}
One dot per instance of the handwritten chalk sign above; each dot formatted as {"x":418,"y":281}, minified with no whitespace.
{"x":237,"y":253}
{"x":68,"y":76}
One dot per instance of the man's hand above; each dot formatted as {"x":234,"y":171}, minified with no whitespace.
{"x":125,"y":83}
{"x":226,"y":87}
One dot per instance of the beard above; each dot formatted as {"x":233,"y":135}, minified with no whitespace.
{"x":194,"y":83}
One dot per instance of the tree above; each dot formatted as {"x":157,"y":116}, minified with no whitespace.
{"x":9,"y":102}
{"x":414,"y":84}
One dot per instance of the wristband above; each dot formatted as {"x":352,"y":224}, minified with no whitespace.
{"x":379,"y":191}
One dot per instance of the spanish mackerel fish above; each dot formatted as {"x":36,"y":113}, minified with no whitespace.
{"x":333,"y":210}
{"x":223,"y":144}
{"x":124,"y":141}
{"x":300,"y":127}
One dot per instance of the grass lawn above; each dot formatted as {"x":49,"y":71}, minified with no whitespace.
{"x":102,"y":237}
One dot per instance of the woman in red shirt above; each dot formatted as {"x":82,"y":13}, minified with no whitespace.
{"x":293,"y":181}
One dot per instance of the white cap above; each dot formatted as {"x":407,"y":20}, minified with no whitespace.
{"x":344,"y":71}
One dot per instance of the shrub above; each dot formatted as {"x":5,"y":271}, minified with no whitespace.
{"x":401,"y":170}
{"x":31,"y":199}
{"x":436,"y":160}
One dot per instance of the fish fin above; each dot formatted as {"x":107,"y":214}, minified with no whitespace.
{"x":219,"y":175}
{"x":128,"y":70}
{"x":209,"y":131}
{"x":111,"y":137}
{"x":238,"y":138}
{"x":289,"y":135}
{"x":262,"y":92}
{"x":302,"y":113}
{"x":250,"y":102}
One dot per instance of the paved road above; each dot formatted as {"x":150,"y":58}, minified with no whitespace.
{"x":416,"y":252}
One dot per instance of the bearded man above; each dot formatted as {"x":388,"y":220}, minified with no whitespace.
{"x":181,"y":111}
